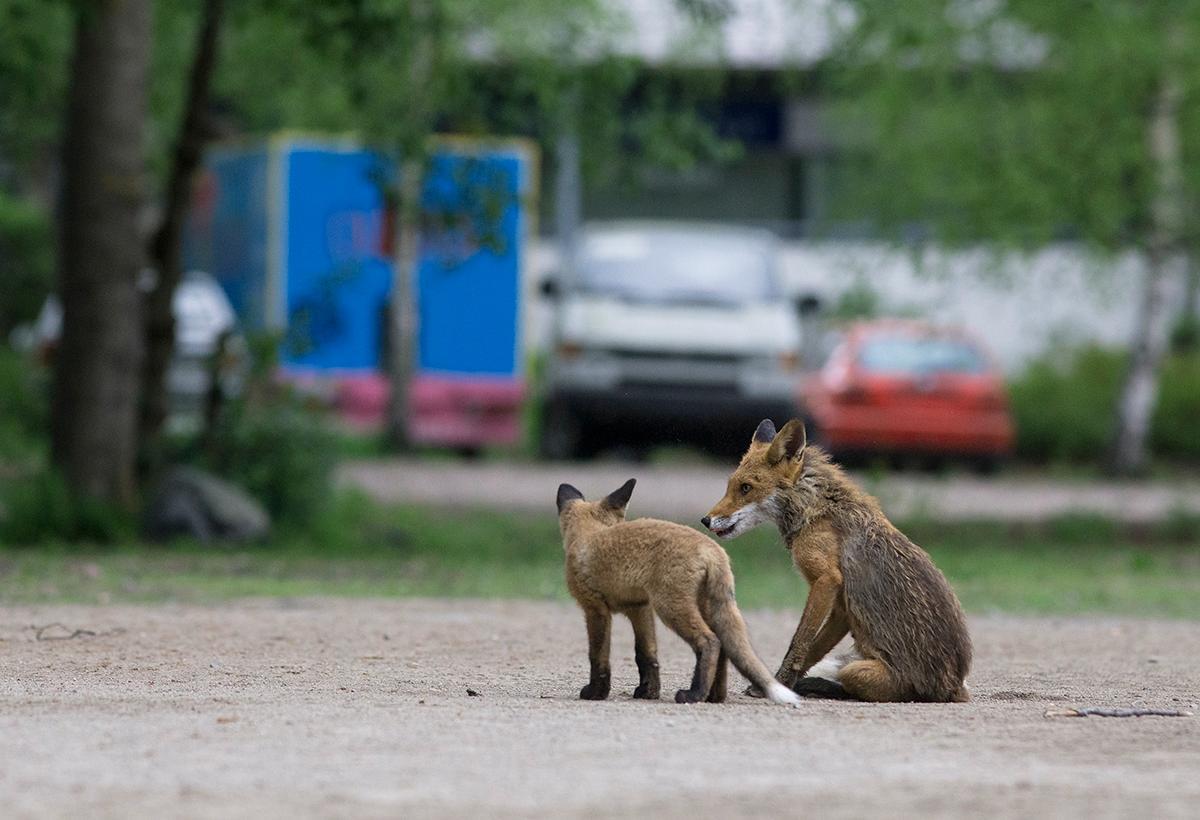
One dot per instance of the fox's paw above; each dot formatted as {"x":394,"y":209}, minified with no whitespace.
{"x":687,"y":696}
{"x":647,"y":690}
{"x":596,"y":690}
{"x":753,"y":691}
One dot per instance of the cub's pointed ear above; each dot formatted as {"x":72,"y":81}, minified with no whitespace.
{"x":567,"y":494}
{"x":764,"y":433}
{"x":789,"y":443}
{"x":618,"y":499}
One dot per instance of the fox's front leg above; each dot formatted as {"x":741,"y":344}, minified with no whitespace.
{"x":599,"y":631}
{"x":834,"y":629}
{"x":818,"y":612}
{"x":645,"y":653}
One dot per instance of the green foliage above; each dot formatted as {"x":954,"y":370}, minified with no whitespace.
{"x":358,"y":548}
{"x":859,"y":301}
{"x":270,"y":442}
{"x":39,"y":508}
{"x":36,"y":506}
{"x":281,"y":452}
{"x":1176,"y":427}
{"x":24,"y":407}
{"x":1017,"y":121}
{"x":35,"y":41}
{"x":1063,"y":406}
{"x":26,"y":261}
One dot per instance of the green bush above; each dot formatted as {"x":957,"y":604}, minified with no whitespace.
{"x":39,"y":508}
{"x":24,"y":406}
{"x":26,"y":261}
{"x":1176,"y":431}
{"x":280,"y":452}
{"x":1064,"y":406}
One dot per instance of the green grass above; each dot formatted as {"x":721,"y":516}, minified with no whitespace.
{"x":1074,"y":565}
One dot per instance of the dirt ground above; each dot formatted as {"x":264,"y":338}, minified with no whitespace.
{"x":361,"y":708}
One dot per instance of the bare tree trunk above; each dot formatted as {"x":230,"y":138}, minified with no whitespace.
{"x":94,"y":413}
{"x":407,"y":238}
{"x":403,"y":315}
{"x":166,"y":247}
{"x":1152,"y":330}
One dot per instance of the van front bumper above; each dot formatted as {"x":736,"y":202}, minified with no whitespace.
{"x":665,"y":413}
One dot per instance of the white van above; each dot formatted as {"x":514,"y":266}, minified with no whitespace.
{"x":669,"y":333}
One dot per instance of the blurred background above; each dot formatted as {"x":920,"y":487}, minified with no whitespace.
{"x":311,"y":279}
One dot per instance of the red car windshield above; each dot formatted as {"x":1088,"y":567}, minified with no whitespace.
{"x":902,"y":355}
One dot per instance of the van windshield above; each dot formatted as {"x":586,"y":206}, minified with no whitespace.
{"x":688,"y":267}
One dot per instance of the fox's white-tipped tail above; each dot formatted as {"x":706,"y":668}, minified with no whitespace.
{"x":778,"y":693}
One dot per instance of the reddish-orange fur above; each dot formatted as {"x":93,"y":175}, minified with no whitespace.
{"x":865,"y":577}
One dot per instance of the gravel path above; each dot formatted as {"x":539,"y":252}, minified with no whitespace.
{"x":359,"y":708}
{"x":687,"y":492}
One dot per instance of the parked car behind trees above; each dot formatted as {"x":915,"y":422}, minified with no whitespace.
{"x":205,"y":326}
{"x":901,"y":388}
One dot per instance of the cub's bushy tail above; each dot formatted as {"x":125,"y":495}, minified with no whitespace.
{"x":726,"y":620}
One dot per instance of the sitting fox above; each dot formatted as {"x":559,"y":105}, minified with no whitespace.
{"x":865,"y":577}
{"x":644,"y":567}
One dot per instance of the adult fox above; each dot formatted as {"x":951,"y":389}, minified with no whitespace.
{"x":865,"y":577}
{"x":644,"y":567}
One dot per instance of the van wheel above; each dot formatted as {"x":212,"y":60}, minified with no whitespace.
{"x":562,"y":434}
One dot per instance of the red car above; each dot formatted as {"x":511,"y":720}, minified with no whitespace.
{"x":894,"y":387}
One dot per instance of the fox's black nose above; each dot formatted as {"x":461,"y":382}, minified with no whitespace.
{"x":706,"y":520}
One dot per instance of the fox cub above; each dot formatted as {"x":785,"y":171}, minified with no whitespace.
{"x":639,"y":568}
{"x":865,"y":577}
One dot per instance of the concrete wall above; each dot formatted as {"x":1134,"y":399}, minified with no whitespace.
{"x":1019,"y":306}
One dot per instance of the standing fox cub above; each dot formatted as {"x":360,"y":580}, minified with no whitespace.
{"x":646,"y":566}
{"x":865,"y":577}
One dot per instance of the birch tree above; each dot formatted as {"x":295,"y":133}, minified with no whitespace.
{"x":1020,"y":122}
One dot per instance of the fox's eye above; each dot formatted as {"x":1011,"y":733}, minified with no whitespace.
{"x":746,"y":489}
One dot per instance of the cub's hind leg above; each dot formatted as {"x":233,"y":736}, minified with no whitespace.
{"x":688,"y":624}
{"x":645,"y":652}
{"x":599,"y":632}
{"x":720,"y":680}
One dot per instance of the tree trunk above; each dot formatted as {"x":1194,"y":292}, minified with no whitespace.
{"x":403,"y":315}
{"x":166,"y":246}
{"x":102,"y":251}
{"x":1152,"y":330}
{"x":418,"y":123}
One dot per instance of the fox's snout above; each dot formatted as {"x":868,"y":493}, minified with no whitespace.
{"x":706,"y":521}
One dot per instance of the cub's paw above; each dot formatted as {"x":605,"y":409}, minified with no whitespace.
{"x":687,"y":696}
{"x":596,"y":690}
{"x":648,"y":690}
{"x":753,"y":691}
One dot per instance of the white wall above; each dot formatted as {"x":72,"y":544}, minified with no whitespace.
{"x":1018,"y":305}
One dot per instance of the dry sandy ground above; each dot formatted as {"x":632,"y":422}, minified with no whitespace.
{"x":359,"y":708}
{"x":687,"y":491}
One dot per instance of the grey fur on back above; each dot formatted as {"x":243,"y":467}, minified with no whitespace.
{"x":911,"y":616}
{"x":901,"y":607}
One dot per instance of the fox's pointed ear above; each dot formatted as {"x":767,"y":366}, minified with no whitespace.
{"x":567,"y":494}
{"x":789,"y":443}
{"x":765,"y":432}
{"x":618,"y":499}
